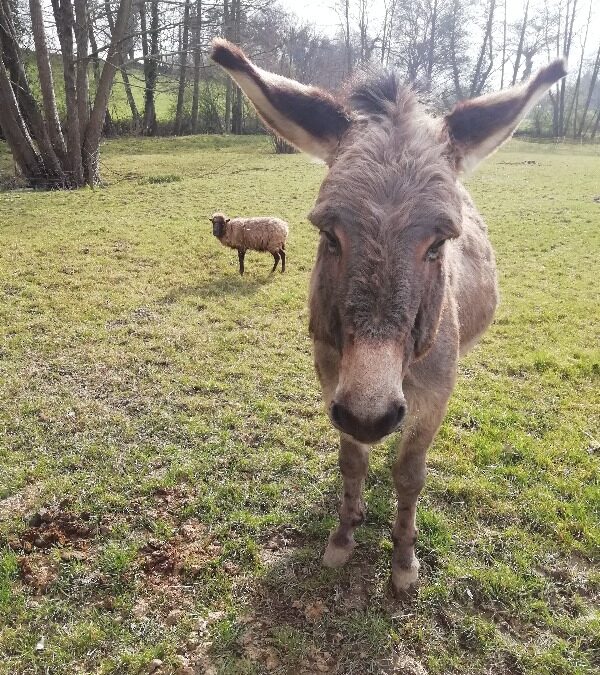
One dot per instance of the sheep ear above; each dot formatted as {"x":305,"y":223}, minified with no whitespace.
{"x":227,"y":220}
{"x":308,"y":117}
{"x":479,"y":126}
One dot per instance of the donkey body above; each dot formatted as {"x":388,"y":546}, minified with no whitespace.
{"x":405,"y":276}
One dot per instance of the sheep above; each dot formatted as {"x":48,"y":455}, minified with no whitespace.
{"x":257,"y":234}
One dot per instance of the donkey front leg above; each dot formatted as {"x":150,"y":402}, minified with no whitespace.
{"x":354,"y":462}
{"x":409,"y":477}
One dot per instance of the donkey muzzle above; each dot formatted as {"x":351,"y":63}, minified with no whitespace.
{"x":368,"y":402}
{"x":367,"y":429}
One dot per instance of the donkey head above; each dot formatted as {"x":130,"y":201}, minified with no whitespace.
{"x":386,"y":211}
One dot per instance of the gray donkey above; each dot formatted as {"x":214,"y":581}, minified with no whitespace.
{"x":405,"y":276}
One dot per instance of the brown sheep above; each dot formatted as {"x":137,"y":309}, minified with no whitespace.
{"x":257,"y":234}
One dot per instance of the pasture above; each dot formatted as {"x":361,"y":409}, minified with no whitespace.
{"x":168,"y":477}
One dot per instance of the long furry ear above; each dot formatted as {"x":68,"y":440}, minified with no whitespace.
{"x":479,"y":126}
{"x":308,"y":117}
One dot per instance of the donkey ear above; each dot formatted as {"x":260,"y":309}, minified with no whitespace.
{"x":308,"y":117}
{"x":479,"y":126}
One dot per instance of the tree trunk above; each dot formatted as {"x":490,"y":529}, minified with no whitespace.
{"x":197,"y":63}
{"x":46,"y":82}
{"x":453,"y":48}
{"x":15,"y":130}
{"x":236,"y":110}
{"x":566,"y":49}
{"x":503,"y":48}
{"x":135,"y":115}
{"x":150,"y":72}
{"x":431,"y":48}
{"x":29,"y":109}
{"x":520,"y":46}
{"x":91,"y":141}
{"x":575,"y":100}
{"x":596,"y":125}
{"x":63,"y":15}
{"x":347,"y":36}
{"x":588,"y":100}
{"x":479,"y":79}
{"x":182,"y":68}
{"x":83,"y":87}
{"x":228,"y":86}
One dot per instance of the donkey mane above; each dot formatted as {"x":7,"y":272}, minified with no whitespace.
{"x":381,"y":93}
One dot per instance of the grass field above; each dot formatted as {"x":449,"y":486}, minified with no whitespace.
{"x":168,"y":477}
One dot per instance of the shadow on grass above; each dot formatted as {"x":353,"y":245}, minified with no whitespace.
{"x":315,"y":619}
{"x":214,"y":288}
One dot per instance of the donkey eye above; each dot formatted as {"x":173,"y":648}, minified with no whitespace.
{"x":434,"y":251}
{"x":333,"y":245}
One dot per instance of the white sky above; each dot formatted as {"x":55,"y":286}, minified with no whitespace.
{"x":322,"y":14}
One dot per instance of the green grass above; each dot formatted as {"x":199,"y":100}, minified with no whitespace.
{"x":165,"y":411}
{"x":165,"y":97}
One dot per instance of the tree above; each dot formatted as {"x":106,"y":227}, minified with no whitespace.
{"x":35,"y":141}
{"x":151,"y":54}
{"x":197,"y":42}
{"x":182,"y":67}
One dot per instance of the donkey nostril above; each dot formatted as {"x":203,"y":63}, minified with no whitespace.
{"x":369,"y":429}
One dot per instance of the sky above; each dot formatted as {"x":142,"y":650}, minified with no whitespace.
{"x":321,"y":13}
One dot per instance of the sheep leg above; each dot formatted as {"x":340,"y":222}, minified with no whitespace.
{"x":282,"y":254}
{"x":241,"y":254}
{"x":276,"y":256}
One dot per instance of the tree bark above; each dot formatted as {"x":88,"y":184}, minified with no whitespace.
{"x":237,"y":99}
{"x":575,"y":100}
{"x":28,"y":106}
{"x":46,"y":82}
{"x":347,"y":36}
{"x":503,"y":48}
{"x":197,"y":63}
{"x":150,"y":72}
{"x":596,"y":125}
{"x":83,"y":86}
{"x":135,"y":115}
{"x":453,"y":57}
{"x":228,"y":85}
{"x":63,"y":15}
{"x":569,"y":20}
{"x":91,"y":141}
{"x":431,"y":48}
{"x":479,"y":79}
{"x":588,"y":100}
{"x":520,"y":46}
{"x":15,"y":130}
{"x":182,"y":68}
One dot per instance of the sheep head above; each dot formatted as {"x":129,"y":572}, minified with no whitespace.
{"x":219,"y":220}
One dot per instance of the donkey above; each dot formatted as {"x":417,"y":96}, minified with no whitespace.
{"x":405,"y":277}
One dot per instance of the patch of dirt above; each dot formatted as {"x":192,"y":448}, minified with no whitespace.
{"x":403,"y":664}
{"x":279,"y":545}
{"x":530,"y":162}
{"x":38,"y":572}
{"x":186,"y":552}
{"x":50,"y":527}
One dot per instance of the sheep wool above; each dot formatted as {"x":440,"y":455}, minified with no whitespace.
{"x":264,"y":233}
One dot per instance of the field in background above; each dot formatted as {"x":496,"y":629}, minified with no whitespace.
{"x":168,"y":477}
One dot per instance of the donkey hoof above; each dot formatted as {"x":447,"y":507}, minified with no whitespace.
{"x":405,"y":579}
{"x":336,"y":556}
